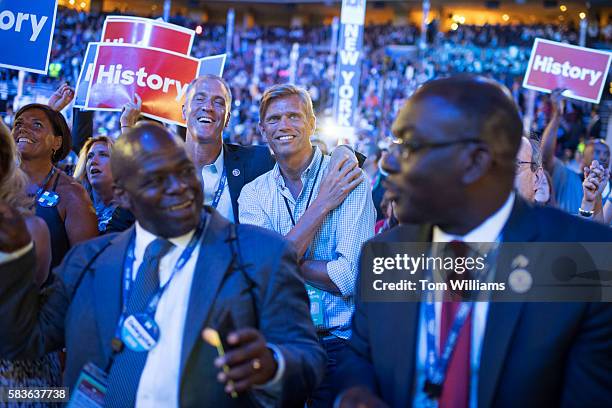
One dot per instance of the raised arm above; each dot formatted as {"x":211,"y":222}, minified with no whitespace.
{"x":549,"y":137}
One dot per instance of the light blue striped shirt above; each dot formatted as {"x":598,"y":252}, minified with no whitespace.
{"x":338,"y":241}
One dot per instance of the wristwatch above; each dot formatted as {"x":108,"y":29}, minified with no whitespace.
{"x":585,"y":213}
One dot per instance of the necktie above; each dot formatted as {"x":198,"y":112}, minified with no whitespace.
{"x":456,"y":387}
{"x":128,"y":365}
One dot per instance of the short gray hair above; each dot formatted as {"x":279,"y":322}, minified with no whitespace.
{"x":223,"y":82}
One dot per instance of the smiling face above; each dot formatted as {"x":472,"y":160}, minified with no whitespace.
{"x":98,"y":166}
{"x":287,"y":126}
{"x":33,"y":134}
{"x":158,"y":183}
{"x":207,"y":110}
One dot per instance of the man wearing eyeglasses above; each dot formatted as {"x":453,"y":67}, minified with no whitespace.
{"x":530,"y":181}
{"x":451,"y":174}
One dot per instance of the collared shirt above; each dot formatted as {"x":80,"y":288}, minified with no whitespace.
{"x":211,"y":177}
{"x":159,"y":382}
{"x":488,"y":231}
{"x":338,"y":241}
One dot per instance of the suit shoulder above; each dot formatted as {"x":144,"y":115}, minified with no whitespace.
{"x":400,"y":233}
{"x":561,"y":226}
{"x":262,"y":151}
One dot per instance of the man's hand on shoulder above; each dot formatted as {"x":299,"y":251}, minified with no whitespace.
{"x":250,"y":361}
{"x":342,"y":176}
{"x":358,"y":397}
{"x":14,"y":234}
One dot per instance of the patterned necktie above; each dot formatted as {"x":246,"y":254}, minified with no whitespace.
{"x":456,"y":387}
{"x":128,"y":365}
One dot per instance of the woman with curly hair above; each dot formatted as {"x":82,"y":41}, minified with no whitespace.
{"x":43,"y":139}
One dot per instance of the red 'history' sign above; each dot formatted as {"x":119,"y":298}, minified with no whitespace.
{"x":148,"y":33}
{"x":581,"y":71}
{"x":159,"y":77}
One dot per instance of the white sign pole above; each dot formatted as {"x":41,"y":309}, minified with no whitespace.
{"x":167,"y":8}
{"x":293,"y":59}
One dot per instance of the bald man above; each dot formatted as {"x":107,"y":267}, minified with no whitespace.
{"x":451,"y":174}
{"x":131,"y":308}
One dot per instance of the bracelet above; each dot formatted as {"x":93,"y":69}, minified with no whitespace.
{"x":585,"y":213}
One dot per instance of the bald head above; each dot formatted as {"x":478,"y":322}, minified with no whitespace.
{"x":145,"y":139}
{"x":474,"y":107}
{"x":156,"y":181}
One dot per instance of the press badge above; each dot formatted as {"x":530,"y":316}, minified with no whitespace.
{"x":316,"y":305}
{"x":90,"y":388}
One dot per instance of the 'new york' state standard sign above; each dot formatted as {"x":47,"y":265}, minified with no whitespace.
{"x":582,"y":71}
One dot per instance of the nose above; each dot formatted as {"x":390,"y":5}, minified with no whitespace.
{"x":391,"y":162}
{"x":175,"y":185}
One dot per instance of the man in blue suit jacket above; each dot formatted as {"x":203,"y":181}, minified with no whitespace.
{"x":274,"y":357}
{"x":451,"y":174}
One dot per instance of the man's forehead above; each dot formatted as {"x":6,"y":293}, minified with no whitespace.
{"x":289,"y":103}
{"x":426,"y":116}
{"x":209,"y":86}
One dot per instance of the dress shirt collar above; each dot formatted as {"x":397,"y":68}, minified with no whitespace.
{"x":308,"y":173}
{"x":488,"y":231}
{"x":144,"y":238}
{"x":215,"y":167}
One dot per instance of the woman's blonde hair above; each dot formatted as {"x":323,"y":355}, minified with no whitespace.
{"x":13,"y":181}
{"x":80,"y":171}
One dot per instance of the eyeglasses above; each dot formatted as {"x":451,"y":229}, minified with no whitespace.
{"x":408,"y":147}
{"x":533,"y":165}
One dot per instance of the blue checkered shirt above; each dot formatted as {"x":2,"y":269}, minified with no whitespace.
{"x":338,"y":241}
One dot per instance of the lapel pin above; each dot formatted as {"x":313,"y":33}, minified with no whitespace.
{"x":235,"y":172}
{"x":520,"y":261}
{"x":520,"y":280}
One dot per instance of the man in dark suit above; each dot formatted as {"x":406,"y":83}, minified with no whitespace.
{"x":199,"y":267}
{"x":225,"y":168}
{"x":451,"y":174}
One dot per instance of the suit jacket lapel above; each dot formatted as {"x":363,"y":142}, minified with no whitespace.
{"x":405,"y":325}
{"x":108,"y":278}
{"x":503,"y":317}
{"x":235,"y":179}
{"x":213,"y":260}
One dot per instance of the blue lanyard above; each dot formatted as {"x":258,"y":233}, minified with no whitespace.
{"x":436,"y":365}
{"x":128,"y":273}
{"x":220,"y":189}
{"x":41,"y":189}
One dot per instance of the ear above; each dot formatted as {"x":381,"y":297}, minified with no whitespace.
{"x":227,"y":118}
{"x":122,"y":197}
{"x":478,"y":161}
{"x":57,"y":143}
{"x":262,"y":130}
{"x":312,"y":122}
{"x":184,"y":111}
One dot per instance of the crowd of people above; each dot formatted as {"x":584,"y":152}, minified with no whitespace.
{"x":226,"y":268}
{"x":500,"y":52}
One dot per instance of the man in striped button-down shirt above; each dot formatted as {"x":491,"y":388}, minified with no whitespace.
{"x":323,"y":208}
